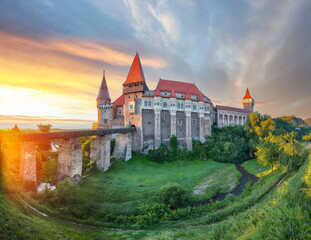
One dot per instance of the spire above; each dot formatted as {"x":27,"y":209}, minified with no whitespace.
{"x":157,"y":93}
{"x":187,"y":97}
{"x":247,"y":95}
{"x":136,"y":73}
{"x":103,"y":93}
{"x":173,"y":93}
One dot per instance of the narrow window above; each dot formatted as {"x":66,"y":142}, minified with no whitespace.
{"x":179,"y":121}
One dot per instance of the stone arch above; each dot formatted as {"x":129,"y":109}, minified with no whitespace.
{"x":231,"y":120}
{"x":226,"y":120}
{"x":240,"y":120}
{"x":220,"y":120}
{"x":236,"y":120}
{"x":244,"y":119}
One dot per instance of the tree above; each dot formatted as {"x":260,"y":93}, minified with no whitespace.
{"x":173,"y":195}
{"x":292,"y":155}
{"x":258,"y":127}
{"x":268,"y":151}
{"x":44,"y":127}
{"x":307,"y":137}
{"x":174,"y":145}
{"x":15,"y":129}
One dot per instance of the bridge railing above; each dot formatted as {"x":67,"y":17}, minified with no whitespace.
{"x":29,"y":137}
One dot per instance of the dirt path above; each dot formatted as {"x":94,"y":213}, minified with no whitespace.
{"x":246,"y":177}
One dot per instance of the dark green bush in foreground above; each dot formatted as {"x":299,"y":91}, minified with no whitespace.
{"x":173,"y":195}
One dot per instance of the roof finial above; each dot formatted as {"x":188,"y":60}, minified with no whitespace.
{"x":136,"y":52}
{"x":104,"y":72}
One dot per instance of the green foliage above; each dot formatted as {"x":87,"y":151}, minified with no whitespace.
{"x":172,"y":195}
{"x":307,"y":137}
{"x":284,"y":126}
{"x":258,"y":126}
{"x":268,"y":151}
{"x":174,"y":145}
{"x":73,"y":199}
{"x":159,"y":155}
{"x":228,"y":144}
{"x":86,"y":152}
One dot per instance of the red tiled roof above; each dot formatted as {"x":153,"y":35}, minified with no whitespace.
{"x":103,"y":92}
{"x":136,"y":73}
{"x":201,"y":98}
{"x":226,"y":108}
{"x":179,"y":87}
{"x":247,"y":95}
{"x":119,"y":101}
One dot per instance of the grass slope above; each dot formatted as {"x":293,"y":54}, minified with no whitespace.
{"x":255,"y":168}
{"x":127,"y":185}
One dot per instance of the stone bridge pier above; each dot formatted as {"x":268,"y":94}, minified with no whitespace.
{"x":123,"y":147}
{"x":69,"y":160}
{"x":69,"y":152}
{"x":100,"y":152}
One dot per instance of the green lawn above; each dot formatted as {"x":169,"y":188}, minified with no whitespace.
{"x":128,"y":185}
{"x":255,"y":168}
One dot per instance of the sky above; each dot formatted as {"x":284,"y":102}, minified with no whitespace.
{"x":53,"y":53}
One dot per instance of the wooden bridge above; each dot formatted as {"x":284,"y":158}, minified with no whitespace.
{"x":69,"y":152}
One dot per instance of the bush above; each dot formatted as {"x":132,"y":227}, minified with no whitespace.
{"x":159,"y":155}
{"x":172,"y":195}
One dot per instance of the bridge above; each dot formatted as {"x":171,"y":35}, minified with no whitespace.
{"x":69,"y":152}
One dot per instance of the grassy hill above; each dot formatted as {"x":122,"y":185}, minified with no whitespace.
{"x":273,"y":208}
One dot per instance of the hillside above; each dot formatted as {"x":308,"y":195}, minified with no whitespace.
{"x":295,"y":120}
{"x":249,"y":216}
{"x":308,"y":121}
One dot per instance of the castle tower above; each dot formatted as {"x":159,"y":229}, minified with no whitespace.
{"x":248,"y":101}
{"x":104,"y":106}
{"x":133,"y":89}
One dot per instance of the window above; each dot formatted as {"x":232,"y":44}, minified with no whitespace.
{"x":131,"y":107}
{"x":145,"y":103}
{"x":194,"y":122}
{"x":106,"y":121}
{"x":180,"y":121}
{"x":178,"y":105}
{"x":149,"y":104}
{"x":194,"y":107}
{"x":182,"y":106}
{"x":165,"y":105}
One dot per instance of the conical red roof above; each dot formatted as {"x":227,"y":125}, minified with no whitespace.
{"x":247,"y":95}
{"x":188,"y":97}
{"x":136,"y":73}
{"x":157,"y":93}
{"x":103,"y":93}
{"x":173,"y":93}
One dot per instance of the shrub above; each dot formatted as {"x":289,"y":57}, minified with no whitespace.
{"x":172,"y":195}
{"x":174,"y":145}
{"x":29,"y":185}
{"x":160,"y":154}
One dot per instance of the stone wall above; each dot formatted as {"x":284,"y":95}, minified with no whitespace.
{"x":195,"y":127}
{"x":69,"y":160}
{"x":28,"y":165}
{"x":165,"y":126}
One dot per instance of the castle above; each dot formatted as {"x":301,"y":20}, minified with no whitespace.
{"x":173,"y":108}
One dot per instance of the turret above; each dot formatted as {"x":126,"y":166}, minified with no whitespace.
{"x":248,"y":101}
{"x":104,"y":106}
